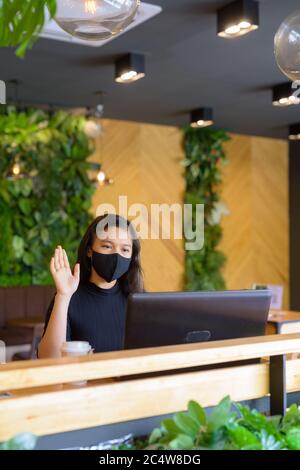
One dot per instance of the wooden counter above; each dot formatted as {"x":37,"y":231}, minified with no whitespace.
{"x":40,"y":403}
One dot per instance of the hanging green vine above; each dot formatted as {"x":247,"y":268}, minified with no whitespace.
{"x":204,"y":154}
{"x":51,"y":204}
{"x":21,"y":21}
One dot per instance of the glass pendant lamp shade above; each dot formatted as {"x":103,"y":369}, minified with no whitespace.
{"x":287,"y":46}
{"x":95,"y":20}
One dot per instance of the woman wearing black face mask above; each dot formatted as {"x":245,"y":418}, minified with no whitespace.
{"x":90,"y":304}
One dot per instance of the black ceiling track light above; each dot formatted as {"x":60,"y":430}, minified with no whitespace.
{"x":202,"y":117}
{"x":238,"y":18}
{"x":284,"y":95}
{"x":130,"y":68}
{"x":294,"y":132}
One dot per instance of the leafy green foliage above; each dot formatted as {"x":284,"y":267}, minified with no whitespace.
{"x":21,"y":21}
{"x":204,"y":154}
{"x":229,"y":427}
{"x":51,"y":205}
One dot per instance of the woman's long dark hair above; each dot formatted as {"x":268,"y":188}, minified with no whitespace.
{"x":130,"y":282}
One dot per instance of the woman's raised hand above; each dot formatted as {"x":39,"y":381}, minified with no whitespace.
{"x":66,"y":282}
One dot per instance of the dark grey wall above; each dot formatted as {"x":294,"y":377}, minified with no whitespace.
{"x":295,"y":224}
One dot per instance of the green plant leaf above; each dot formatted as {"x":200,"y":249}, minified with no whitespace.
{"x":155,"y":436}
{"x":18,"y":246}
{"x":169,"y":426}
{"x":293,"y":438}
{"x":182,"y":442}
{"x":197,"y":413}
{"x":22,"y":21}
{"x":291,"y":419}
{"x":269,"y":442}
{"x":22,"y":441}
{"x":221,"y":415}
{"x":25,"y":206}
{"x":186,"y":424}
{"x":243,"y":438}
{"x":45,"y":235}
{"x":28,"y":259}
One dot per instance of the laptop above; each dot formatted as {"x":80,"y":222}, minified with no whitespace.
{"x":172,"y":318}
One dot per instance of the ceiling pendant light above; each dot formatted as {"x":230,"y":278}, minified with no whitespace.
{"x":238,"y":18}
{"x":201,"y":117}
{"x":92,"y":127}
{"x":97,"y":113}
{"x":284,"y":95}
{"x":294,"y":132}
{"x":130,"y":68}
{"x":95,"y":20}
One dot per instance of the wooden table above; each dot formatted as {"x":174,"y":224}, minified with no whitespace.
{"x":36,"y":325}
{"x":283,"y":322}
{"x":27,"y":322}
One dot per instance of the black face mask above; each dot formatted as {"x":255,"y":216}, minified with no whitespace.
{"x":110,"y":267}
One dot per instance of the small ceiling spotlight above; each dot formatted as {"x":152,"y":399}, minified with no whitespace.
{"x":238,"y":18}
{"x":284,"y":95}
{"x":294,"y":132}
{"x":202,"y":117}
{"x":130,"y":68}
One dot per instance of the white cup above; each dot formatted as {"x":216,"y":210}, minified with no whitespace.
{"x":75,"y":349}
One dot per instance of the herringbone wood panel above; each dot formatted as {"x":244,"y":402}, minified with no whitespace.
{"x":256,"y":233}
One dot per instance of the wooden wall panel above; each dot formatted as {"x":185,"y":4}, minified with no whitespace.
{"x":238,"y":225}
{"x":271,"y":212}
{"x":144,"y":161}
{"x":162,"y":183}
{"x":256,"y":233}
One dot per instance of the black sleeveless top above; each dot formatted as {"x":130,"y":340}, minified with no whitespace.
{"x":96,"y":315}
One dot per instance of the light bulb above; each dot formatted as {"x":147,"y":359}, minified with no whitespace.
{"x":16,"y":172}
{"x":288,"y":101}
{"x":244,"y":25}
{"x":16,"y":169}
{"x":128,"y":75}
{"x":90,"y":6}
{"x":294,"y":137}
{"x":95,"y":20}
{"x":101,"y":177}
{"x":284,"y":101}
{"x":235,"y":29}
{"x":92,"y":129}
{"x":202,"y":123}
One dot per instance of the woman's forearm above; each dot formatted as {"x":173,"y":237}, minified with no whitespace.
{"x":56,"y":331}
